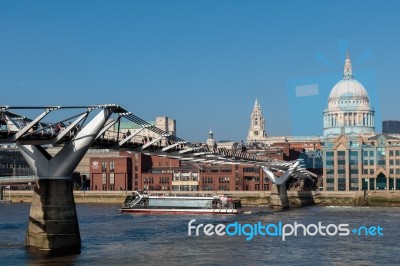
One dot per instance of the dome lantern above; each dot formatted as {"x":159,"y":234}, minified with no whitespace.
{"x":348,"y":72}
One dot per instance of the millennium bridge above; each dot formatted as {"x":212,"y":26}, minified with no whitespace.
{"x":53,"y":223}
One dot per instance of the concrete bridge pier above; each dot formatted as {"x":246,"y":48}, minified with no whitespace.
{"x":53,"y":223}
{"x":279,"y":197}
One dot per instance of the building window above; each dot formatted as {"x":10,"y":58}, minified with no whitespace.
{"x":112,"y":165}
{"x":223,"y":188}
{"x":104,"y":178}
{"x":397,"y":153}
{"x":381,"y":151}
{"x":164,"y":180}
{"x":148,"y":180}
{"x":353,"y":183}
{"x":371,"y":171}
{"x":341,"y":184}
{"x":354,"y":171}
{"x":341,"y":155}
{"x":391,"y":153}
{"x":329,"y":163}
{"x":371,"y":184}
{"x":330,"y":184}
{"x":207,"y":180}
{"x":330,"y":171}
{"x":224,"y":180}
{"x":354,"y":155}
{"x":354,"y":161}
{"x":112,"y":179}
{"x":364,"y":183}
{"x":103,"y":166}
{"x":371,"y":153}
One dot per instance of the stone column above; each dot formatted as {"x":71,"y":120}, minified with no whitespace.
{"x":387,"y":183}
{"x":372,"y":119}
{"x":350,"y":119}
{"x":369,"y":120}
{"x":336,"y":120}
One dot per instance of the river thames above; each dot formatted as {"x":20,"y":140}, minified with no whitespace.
{"x":109,"y":237}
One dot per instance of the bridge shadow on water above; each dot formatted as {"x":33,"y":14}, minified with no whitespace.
{"x":306,"y":198}
{"x":59,"y":257}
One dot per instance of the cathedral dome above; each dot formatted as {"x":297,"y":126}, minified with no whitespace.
{"x":348,"y":109}
{"x":348,"y":88}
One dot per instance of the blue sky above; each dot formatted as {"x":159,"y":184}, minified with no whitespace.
{"x":201,"y":62}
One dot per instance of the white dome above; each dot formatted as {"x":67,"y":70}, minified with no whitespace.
{"x":348,"y":111}
{"x":348,"y":88}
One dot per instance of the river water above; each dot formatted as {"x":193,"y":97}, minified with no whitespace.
{"x":109,"y":237}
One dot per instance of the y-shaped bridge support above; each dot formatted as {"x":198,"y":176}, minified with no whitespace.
{"x":53,"y":223}
{"x":279,"y":197}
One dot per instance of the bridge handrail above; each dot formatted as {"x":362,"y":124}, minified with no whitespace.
{"x":24,"y":177}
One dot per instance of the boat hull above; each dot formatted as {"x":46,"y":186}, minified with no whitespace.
{"x":181,"y":211}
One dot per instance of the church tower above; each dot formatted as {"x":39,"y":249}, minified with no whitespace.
{"x":211,"y":141}
{"x":257,"y":125}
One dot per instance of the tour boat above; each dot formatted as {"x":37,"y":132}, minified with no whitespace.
{"x":140,"y":202}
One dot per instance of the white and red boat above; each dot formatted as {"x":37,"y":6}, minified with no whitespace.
{"x":143,"y":203}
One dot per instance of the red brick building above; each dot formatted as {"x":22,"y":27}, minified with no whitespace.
{"x":111,"y":173}
{"x":135,"y":171}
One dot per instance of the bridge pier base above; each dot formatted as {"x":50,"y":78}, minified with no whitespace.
{"x":279,"y":197}
{"x":53,"y":223}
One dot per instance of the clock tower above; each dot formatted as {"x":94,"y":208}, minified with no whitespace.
{"x":257,"y":125}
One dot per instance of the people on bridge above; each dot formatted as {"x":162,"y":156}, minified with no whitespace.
{"x":57,"y":128}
